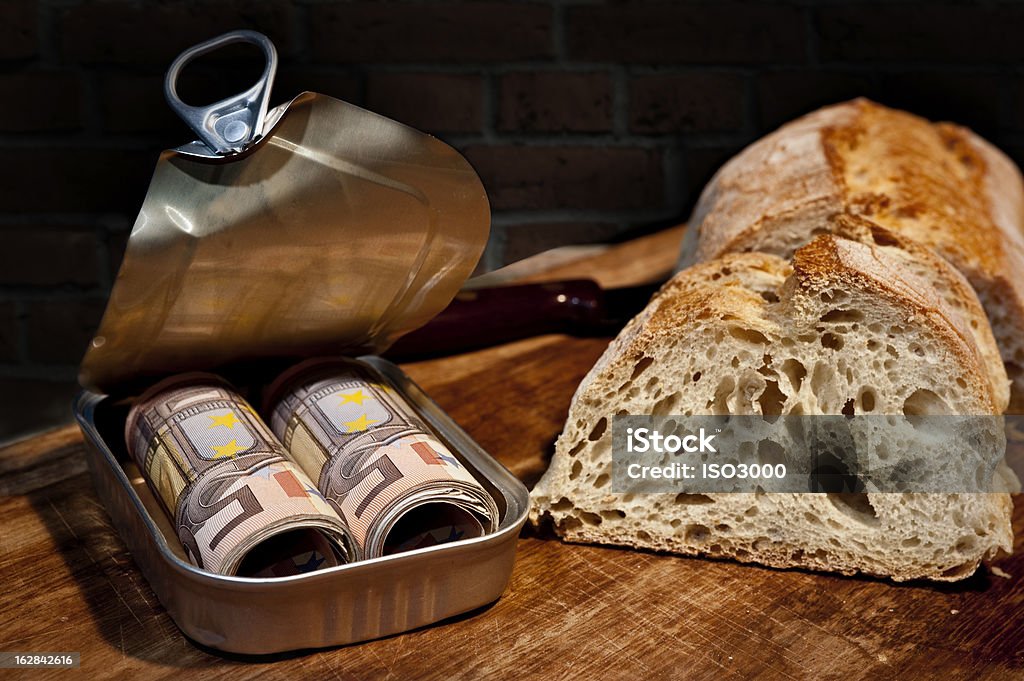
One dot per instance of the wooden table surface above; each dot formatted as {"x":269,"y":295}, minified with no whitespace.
{"x":571,"y":612}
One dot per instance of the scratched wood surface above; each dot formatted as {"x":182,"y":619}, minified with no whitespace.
{"x":571,"y":612}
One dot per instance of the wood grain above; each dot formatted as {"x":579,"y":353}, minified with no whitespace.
{"x":571,"y":612}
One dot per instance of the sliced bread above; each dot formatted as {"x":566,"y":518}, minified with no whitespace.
{"x":842,"y":327}
{"x":938,"y":184}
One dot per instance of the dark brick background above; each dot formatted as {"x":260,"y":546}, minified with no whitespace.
{"x":588,"y":121}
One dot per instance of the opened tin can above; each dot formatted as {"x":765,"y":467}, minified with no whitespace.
{"x":316,"y":228}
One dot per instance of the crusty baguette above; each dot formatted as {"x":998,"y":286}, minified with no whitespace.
{"x":919,"y":263}
{"x":737,"y":333}
{"x":938,"y":184}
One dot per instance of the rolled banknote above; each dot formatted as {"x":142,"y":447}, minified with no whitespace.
{"x":394,"y":484}
{"x":240,"y":506}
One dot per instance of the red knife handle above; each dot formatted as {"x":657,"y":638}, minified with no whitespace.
{"x":484,"y":317}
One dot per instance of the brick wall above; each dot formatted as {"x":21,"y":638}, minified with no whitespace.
{"x":588,"y":121}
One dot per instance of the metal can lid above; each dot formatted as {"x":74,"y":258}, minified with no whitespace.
{"x":341,"y":231}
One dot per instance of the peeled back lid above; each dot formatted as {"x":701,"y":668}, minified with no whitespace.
{"x":335,"y":231}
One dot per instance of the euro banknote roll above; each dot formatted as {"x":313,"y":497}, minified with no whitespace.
{"x":239,"y":505}
{"x":394,"y":484}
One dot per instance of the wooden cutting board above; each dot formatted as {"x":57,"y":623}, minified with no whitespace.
{"x":571,"y":612}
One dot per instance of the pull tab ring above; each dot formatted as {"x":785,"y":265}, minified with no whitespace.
{"x":232,"y":124}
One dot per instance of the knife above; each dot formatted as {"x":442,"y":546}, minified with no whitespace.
{"x":480,"y":318}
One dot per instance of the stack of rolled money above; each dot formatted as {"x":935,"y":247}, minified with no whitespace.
{"x":395,"y":485}
{"x":240,"y":506}
{"x":352,"y":472}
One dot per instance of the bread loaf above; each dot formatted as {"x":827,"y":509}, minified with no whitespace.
{"x":843,"y":326}
{"x":938,"y":184}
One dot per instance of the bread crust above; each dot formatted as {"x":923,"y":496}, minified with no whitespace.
{"x":937,"y":184}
